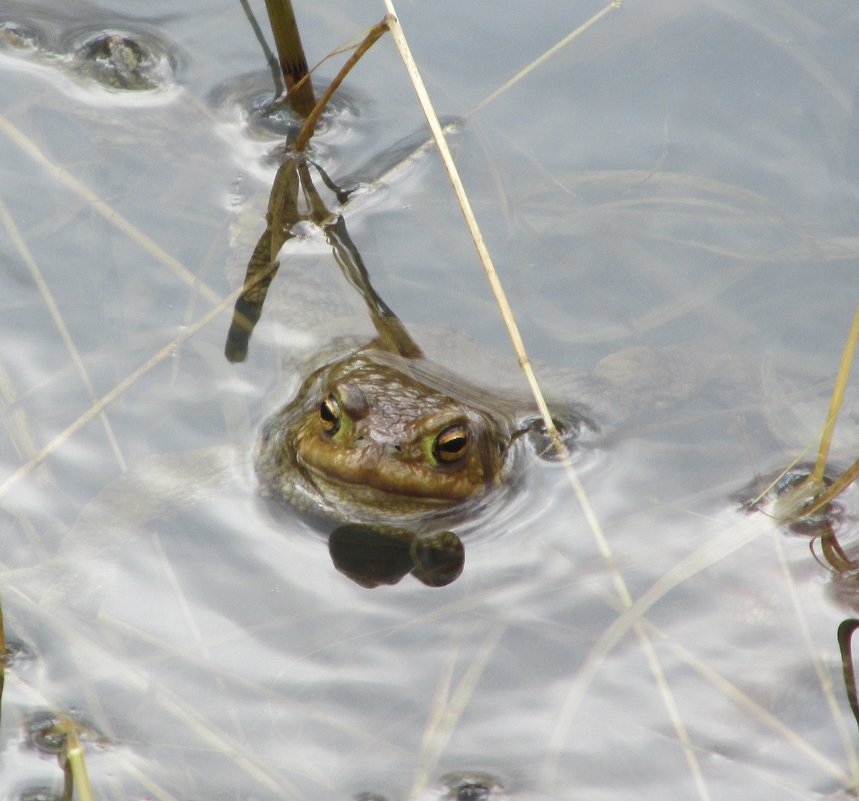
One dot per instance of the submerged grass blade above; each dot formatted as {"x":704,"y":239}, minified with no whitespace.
{"x":547,"y":55}
{"x":447,"y":711}
{"x":17,"y":425}
{"x":180,"y":595}
{"x":103,"y":208}
{"x":107,"y":663}
{"x":630,"y":618}
{"x":3,"y":656}
{"x":47,"y":296}
{"x":276,"y":75}
{"x":740,"y":697}
{"x":753,"y":708}
{"x":109,"y":397}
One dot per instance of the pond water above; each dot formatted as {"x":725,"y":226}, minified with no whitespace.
{"x":680,"y":174}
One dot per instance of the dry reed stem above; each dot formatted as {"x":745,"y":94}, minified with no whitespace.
{"x":293,"y":64}
{"x":72,"y":758}
{"x":345,"y":48}
{"x":518,"y":345}
{"x":804,"y":500}
{"x":468,"y":214}
{"x":837,"y":399}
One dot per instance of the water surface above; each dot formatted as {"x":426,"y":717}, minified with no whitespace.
{"x":677,"y":175}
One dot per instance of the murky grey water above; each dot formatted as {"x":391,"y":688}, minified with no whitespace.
{"x":681,"y":174}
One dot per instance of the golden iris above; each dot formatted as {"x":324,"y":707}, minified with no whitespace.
{"x":451,"y":444}
{"x":330,"y":414}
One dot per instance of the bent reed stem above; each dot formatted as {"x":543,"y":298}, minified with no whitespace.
{"x":307,"y":129}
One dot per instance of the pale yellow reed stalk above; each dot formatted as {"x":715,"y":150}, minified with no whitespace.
{"x":513,"y":330}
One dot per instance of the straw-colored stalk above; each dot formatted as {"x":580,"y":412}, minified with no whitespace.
{"x":812,"y":495}
{"x":73,"y":761}
{"x":513,"y":331}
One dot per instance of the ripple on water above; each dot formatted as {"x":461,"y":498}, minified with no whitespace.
{"x":93,"y":63}
{"x":120,"y":59}
{"x":45,"y":732}
{"x":22,"y":37}
{"x":256,"y":123}
{"x":472,"y":787}
{"x":20,"y":657}
{"x":250,"y":96}
{"x":469,"y":786}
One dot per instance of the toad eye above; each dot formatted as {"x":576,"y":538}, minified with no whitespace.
{"x":451,"y":444}
{"x":329,"y":414}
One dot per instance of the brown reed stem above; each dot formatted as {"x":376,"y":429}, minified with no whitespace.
{"x":293,"y":64}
